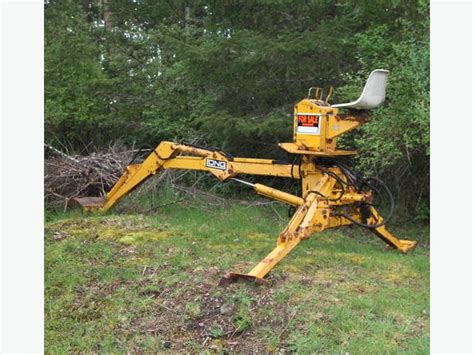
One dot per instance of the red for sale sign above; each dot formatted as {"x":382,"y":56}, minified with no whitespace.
{"x":308,"y":123}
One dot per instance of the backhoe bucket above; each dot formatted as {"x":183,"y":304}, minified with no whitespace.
{"x":90,"y":203}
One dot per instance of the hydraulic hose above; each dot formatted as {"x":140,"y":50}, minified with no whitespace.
{"x":358,"y":182}
{"x":390,"y":214}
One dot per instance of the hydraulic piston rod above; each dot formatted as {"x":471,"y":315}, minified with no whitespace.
{"x":272,"y":193}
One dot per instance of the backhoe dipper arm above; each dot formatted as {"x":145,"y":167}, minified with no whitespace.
{"x":136,"y":174}
{"x":167,"y":156}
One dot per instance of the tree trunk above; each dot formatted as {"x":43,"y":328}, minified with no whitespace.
{"x":187,"y":18}
{"x":107,"y":16}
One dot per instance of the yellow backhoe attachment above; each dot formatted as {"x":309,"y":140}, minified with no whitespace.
{"x":165,"y":156}
{"x":332,"y":194}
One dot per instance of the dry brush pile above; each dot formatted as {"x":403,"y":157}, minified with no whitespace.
{"x":69,"y":176}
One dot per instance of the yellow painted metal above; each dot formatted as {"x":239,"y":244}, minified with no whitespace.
{"x":337,"y":125}
{"x":293,"y":148}
{"x":164,"y":156}
{"x":316,"y":126}
{"x":265,"y":167}
{"x":323,"y":202}
{"x":278,"y":195}
{"x":288,"y":239}
{"x":137,"y":174}
{"x":382,"y":232}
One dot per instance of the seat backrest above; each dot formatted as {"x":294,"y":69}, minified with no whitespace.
{"x":373,"y":94}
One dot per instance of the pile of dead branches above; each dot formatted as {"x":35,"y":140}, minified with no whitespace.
{"x":68,"y":176}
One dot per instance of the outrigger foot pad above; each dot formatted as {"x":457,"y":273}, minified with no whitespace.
{"x":407,"y":245}
{"x":232,"y":277}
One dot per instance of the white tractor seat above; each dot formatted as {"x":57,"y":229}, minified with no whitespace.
{"x":373,"y":94}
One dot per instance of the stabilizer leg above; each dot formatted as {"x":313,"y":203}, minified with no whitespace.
{"x":298,"y":228}
{"x":401,"y":245}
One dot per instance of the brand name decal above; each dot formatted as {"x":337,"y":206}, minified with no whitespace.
{"x":216,"y":164}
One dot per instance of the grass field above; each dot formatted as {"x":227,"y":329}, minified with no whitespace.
{"x":148,"y":283}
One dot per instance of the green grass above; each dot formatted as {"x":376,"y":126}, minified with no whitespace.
{"x":136,"y":283}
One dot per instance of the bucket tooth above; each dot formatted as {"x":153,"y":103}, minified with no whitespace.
{"x":90,"y":203}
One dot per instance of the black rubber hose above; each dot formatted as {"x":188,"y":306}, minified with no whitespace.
{"x":135,"y":156}
{"x":335,"y":177}
{"x":293,"y":165}
{"x":291,"y":211}
{"x":390,"y":214}
{"x":358,"y":182}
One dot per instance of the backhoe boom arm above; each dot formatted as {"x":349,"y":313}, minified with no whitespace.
{"x":167,"y":155}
